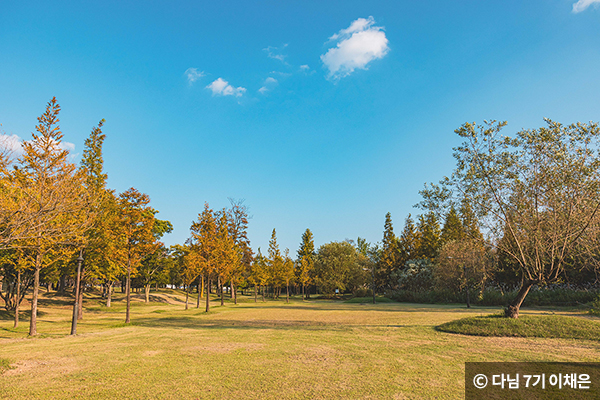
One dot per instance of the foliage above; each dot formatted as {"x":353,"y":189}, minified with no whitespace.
{"x":338,"y":267}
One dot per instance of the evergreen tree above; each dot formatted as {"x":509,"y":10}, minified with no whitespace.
{"x":275,"y":262}
{"x":306,"y":260}
{"x":428,"y":236}
{"x":470,"y":222}
{"x":453,"y":229}
{"x":389,"y":262}
{"x":407,"y":244}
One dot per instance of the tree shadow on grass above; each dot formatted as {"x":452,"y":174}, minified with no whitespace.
{"x":23,"y":314}
{"x":198,"y":323}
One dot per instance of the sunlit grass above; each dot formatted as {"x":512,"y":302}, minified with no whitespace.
{"x":273,"y":350}
{"x":543,"y":326}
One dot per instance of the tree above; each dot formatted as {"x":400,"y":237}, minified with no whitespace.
{"x":428,"y":236}
{"x":306,"y":260}
{"x":137,"y":224}
{"x":539,"y":188}
{"x":275,"y":264}
{"x":453,"y":229}
{"x":337,"y":267}
{"x":407,"y":243}
{"x":238,"y":227}
{"x":205,"y":245}
{"x":228,"y":255}
{"x":389,"y":259}
{"x":288,"y":273}
{"x":52,"y":206}
{"x":461,"y":265}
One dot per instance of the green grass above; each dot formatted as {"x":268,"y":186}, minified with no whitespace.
{"x":541,"y":326}
{"x":321,"y":349}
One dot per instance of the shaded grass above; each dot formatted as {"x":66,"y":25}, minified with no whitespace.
{"x":541,"y":326}
{"x":365,"y":300}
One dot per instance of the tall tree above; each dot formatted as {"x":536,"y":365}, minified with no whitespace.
{"x":453,"y":229}
{"x":389,"y":259}
{"x":275,"y":263}
{"x":205,"y":245}
{"x":288,"y":273}
{"x":54,"y":202}
{"x":407,"y":244}
{"x":137,"y":223}
{"x":306,"y":260}
{"x":540,"y":188}
{"x":428,"y":239}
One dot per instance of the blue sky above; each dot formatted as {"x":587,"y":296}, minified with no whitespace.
{"x":321,"y":115}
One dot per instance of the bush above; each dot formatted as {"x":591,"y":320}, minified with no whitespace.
{"x":363,"y":292}
{"x":595,"y":307}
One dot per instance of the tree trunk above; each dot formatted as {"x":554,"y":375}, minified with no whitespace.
{"x":109,"y":294}
{"x":222,"y":296}
{"x":287,"y":293}
{"x":62,"y":284}
{"x":148,"y":293}
{"x":128,"y":292}
{"x":255,"y":294}
{"x":202,"y":289}
{"x":234,"y":293}
{"x":80,"y":304}
{"x":512,"y":311}
{"x":207,"y":293}
{"x":263,"y":294}
{"x":303,"y":298}
{"x":18,"y":295}
{"x":187,"y":295}
{"x":34,"y":300}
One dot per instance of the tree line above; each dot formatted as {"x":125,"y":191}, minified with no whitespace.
{"x":519,"y":211}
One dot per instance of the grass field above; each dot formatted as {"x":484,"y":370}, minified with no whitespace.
{"x":302,"y":350}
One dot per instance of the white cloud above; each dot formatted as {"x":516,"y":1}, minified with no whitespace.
{"x":192,"y":75}
{"x":10,"y":143}
{"x":582,"y":5}
{"x":304,"y":67}
{"x":276,"y":53}
{"x":221,"y":87}
{"x":357,"y":46}
{"x":268,"y":85}
{"x":13,"y":144}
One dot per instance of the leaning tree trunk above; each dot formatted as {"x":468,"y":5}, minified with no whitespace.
{"x":512,"y":311}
